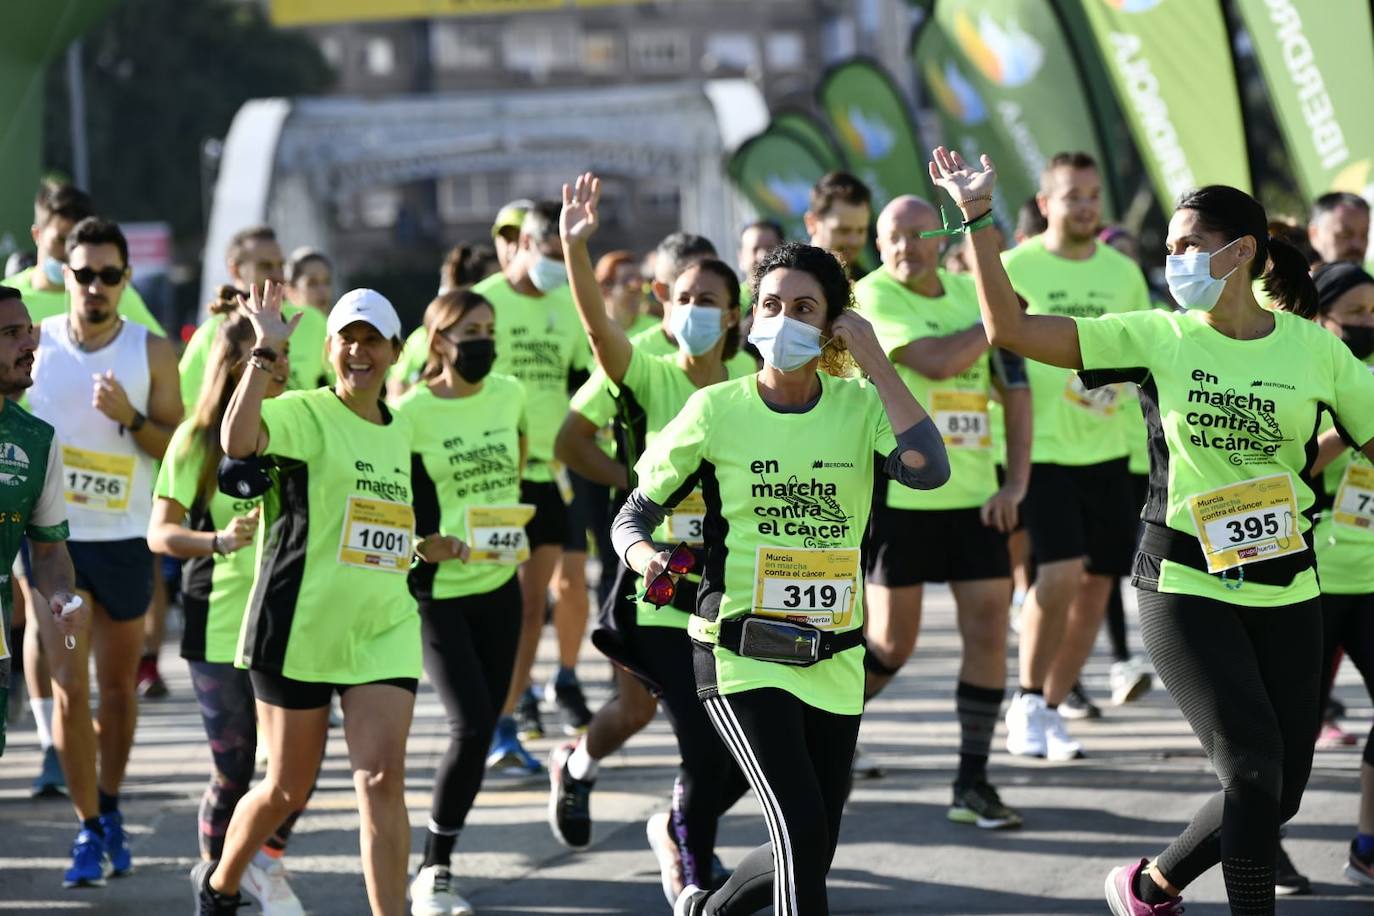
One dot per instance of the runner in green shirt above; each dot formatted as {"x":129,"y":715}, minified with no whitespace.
{"x":213,"y":532}
{"x":329,"y":610}
{"x":1225,"y":578}
{"x":755,"y":241}
{"x":785,"y":461}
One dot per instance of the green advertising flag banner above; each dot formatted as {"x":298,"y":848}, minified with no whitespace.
{"x":871,"y":121}
{"x":1317,"y":57}
{"x":775,"y":172}
{"x":812,"y":133}
{"x":966,"y":120}
{"x":1021,"y":64}
{"x":1170,"y":62}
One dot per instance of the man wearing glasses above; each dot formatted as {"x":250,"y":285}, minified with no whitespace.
{"x":111,"y":390}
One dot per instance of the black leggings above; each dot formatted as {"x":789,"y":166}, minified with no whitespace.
{"x":708,"y":781}
{"x":1348,"y":623}
{"x":797,"y":759}
{"x":1248,"y":680}
{"x":469,"y":646}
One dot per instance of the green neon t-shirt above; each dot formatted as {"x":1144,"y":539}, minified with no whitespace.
{"x":775,"y":480}
{"x":217,"y":587}
{"x":466,"y":452}
{"x":1231,"y":412}
{"x":538,"y":341}
{"x":413,"y":355}
{"x":47,"y":303}
{"x":959,"y":405}
{"x":1071,"y":425}
{"x":308,"y":365}
{"x":1343,"y":535}
{"x":330,"y":603}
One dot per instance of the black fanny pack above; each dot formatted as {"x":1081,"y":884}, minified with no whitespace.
{"x":1176,"y":547}
{"x":784,"y":642}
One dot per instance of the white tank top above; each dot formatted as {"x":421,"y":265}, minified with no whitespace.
{"x":108,"y":479}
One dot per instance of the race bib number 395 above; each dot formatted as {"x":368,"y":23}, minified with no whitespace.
{"x":496,"y":534}
{"x":97,"y":480}
{"x":812,"y":586}
{"x":378,"y":534}
{"x":1247,"y":522}
{"x":1354,"y":506}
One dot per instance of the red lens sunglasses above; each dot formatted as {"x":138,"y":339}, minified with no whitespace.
{"x":662,"y":589}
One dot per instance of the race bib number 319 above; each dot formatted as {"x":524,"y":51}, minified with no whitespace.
{"x":1247,"y":522}
{"x":378,"y":534}
{"x":812,"y":586}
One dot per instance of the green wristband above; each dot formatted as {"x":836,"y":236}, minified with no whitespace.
{"x":982,"y":222}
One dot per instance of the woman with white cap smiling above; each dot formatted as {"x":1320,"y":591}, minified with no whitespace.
{"x":330,"y":611}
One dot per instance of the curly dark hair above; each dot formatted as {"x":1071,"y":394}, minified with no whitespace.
{"x":826,"y":270}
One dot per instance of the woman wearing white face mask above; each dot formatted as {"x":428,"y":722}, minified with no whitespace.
{"x":784,"y":461}
{"x":1228,"y":593}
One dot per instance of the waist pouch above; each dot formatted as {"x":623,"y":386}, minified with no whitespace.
{"x":1176,"y":547}
{"x":779,"y":641}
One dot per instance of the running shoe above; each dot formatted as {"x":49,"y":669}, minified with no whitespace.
{"x":1288,"y":881}
{"x":116,"y":844}
{"x":1121,"y":898}
{"x":1332,"y":736}
{"x":1077,"y":705}
{"x":1359,"y":869}
{"x":1130,"y":680}
{"x":572,"y":705}
{"x":691,"y":902}
{"x":90,"y":865}
{"x":268,"y":886}
{"x":659,"y":830}
{"x":207,"y":902}
{"x":335,"y":712}
{"x":432,"y":894}
{"x":864,"y":766}
{"x":529,"y":725}
{"x":508,"y":754}
{"x":1058,"y":745}
{"x":49,"y":783}
{"x":1026,"y":725}
{"x":570,"y":801}
{"x":980,"y":805}
{"x":150,"y":683}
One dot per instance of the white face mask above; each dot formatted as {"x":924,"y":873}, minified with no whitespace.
{"x":1190,"y":278}
{"x":785,"y":343}
{"x":547,"y":274}
{"x":696,"y":328}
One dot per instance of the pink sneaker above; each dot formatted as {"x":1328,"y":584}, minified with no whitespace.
{"x":1121,"y":898}
{"x":1333,"y":736}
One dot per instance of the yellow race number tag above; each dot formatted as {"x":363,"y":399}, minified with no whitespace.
{"x":962,"y":418}
{"x":97,"y":480}
{"x":496,"y":534}
{"x":1354,"y":504}
{"x":1248,"y":521}
{"x":378,"y":534}
{"x":686,"y":521}
{"x":1099,"y":400}
{"x":807,"y":585}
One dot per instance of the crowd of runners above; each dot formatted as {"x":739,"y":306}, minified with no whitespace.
{"x":761,"y":476}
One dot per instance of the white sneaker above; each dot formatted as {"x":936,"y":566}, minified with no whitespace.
{"x":1058,"y":745}
{"x":864,"y":766}
{"x":1130,"y":680}
{"x":267,"y":885}
{"x":432,"y":894}
{"x":1026,"y":725}
{"x":659,"y":831}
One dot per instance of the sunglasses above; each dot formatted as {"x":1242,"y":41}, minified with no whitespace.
{"x":109,"y":276}
{"x":663,"y":589}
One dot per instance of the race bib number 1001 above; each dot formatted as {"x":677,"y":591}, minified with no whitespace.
{"x":378,"y":534}
{"x":496,"y":534}
{"x":1247,"y":522}
{"x":97,"y":480}
{"x":811,"y":586}
{"x":1354,"y":505}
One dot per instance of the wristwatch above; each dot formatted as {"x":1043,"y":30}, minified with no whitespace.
{"x":138,"y":421}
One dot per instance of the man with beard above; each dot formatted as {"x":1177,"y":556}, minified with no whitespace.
{"x":838,"y":217}
{"x":111,"y":390}
{"x":1339,"y":228}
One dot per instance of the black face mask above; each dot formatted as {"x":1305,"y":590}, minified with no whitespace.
{"x":474,"y":359}
{"x":1359,"y":338}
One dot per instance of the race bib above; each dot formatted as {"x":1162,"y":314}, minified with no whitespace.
{"x":1098,"y":400}
{"x":496,"y":534}
{"x":685,"y":524}
{"x":96,"y":480}
{"x":1246,"y":522}
{"x":811,"y":586}
{"x":1354,"y":504}
{"x":563,"y":481}
{"x":962,"y":418}
{"x":378,"y":534}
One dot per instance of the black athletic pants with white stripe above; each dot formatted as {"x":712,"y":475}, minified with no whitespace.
{"x":797,"y":759}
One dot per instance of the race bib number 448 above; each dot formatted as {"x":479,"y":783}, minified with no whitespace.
{"x":1247,"y":522}
{"x":496,"y":534}
{"x":812,"y":586}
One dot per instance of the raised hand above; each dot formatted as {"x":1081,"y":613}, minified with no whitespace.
{"x":971,"y":188}
{"x":579,"y":220}
{"x":264,"y":311}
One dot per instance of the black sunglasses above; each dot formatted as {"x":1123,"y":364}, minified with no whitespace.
{"x":109,"y":276}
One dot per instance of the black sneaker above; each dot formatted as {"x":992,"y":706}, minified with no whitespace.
{"x":208,"y":902}
{"x":1077,"y":705}
{"x":980,"y":805}
{"x":572,"y":705}
{"x":570,"y":802}
{"x":528,"y":725}
{"x":1288,"y":881}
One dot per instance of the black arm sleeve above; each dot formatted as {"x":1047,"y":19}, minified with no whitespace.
{"x":923,"y":438}
{"x":635,"y":522}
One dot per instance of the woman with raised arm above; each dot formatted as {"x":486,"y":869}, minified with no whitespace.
{"x":1229,"y":602}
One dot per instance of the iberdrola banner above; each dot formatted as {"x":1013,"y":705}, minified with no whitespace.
{"x":966,"y":120}
{"x":1020,"y":62}
{"x":812,"y":133}
{"x":1317,"y":57}
{"x":871,"y":121}
{"x":1170,"y":62}
{"x":775,"y":172}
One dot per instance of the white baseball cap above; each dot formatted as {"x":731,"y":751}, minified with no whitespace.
{"x":365,"y":305}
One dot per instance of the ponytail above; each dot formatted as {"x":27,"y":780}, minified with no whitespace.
{"x":225,"y":301}
{"x":1287,"y":282}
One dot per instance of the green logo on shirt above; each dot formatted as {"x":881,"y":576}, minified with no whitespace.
{"x":14,"y":464}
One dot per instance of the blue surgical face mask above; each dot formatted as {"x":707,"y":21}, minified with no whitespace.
{"x":547,"y":274}
{"x":1190,"y":278}
{"x":52,"y":269}
{"x":785,"y":343}
{"x":696,"y":328}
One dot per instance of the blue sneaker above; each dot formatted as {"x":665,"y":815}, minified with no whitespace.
{"x":507,"y":753}
{"x":50,"y":783}
{"x":90,"y":865}
{"x":116,"y":844}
